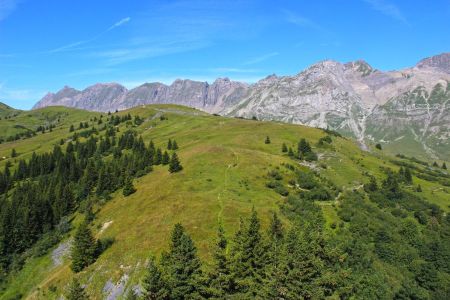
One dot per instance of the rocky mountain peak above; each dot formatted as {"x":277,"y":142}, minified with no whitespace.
{"x":360,"y":66}
{"x":441,"y":62}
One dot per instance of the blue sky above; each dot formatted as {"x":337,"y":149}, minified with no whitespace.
{"x":46,"y":44}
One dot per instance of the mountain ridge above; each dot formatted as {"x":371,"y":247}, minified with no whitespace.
{"x":353,"y":98}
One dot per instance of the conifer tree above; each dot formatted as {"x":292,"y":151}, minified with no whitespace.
{"x":165,"y":158}
{"x":276,"y":228}
{"x":128,"y":188}
{"x":13,"y":153}
{"x":267,"y":141}
{"x":75,"y":291}
{"x":175,"y":165}
{"x":407,"y":175}
{"x":444,"y":166}
{"x":182,"y":265}
{"x":169,"y":145}
{"x":435,"y":164}
{"x":158,"y":157}
{"x":71,"y":129}
{"x":83,"y":248}
{"x":174,"y":145}
{"x":290,"y":152}
{"x":284,"y":148}
{"x":155,"y":286}
{"x":419,"y":188}
{"x":221,"y":278}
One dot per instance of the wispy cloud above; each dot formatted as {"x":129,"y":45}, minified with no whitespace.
{"x":76,"y":45}
{"x":298,"y":20}
{"x":260,"y":58}
{"x":388,"y":9}
{"x":7,"y":7}
{"x":119,"y":23}
{"x":123,"y":55}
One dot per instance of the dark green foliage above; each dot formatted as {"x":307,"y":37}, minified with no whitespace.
{"x":305,"y":152}
{"x":175,"y":165}
{"x":128,"y":188}
{"x":444,"y":166}
{"x":182,"y":267}
{"x":290,"y":152}
{"x":378,"y":146}
{"x":83,"y":249}
{"x":165,"y":158}
{"x":72,"y":129}
{"x":13,"y":153}
{"x":174,"y":145}
{"x":154,"y":285}
{"x":267,"y":140}
{"x":418,"y":188}
{"x":284,"y":148}
{"x":75,"y":291}
{"x":169,"y":145}
{"x":324,"y":140}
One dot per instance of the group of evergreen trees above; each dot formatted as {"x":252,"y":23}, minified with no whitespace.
{"x":36,"y":194}
{"x":304,"y":149}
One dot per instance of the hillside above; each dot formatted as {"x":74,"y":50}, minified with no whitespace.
{"x":228,"y":170}
{"x":352,"y":98}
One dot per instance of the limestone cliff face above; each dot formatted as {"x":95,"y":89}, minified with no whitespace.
{"x":353,"y":98}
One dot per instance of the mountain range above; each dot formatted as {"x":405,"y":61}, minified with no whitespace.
{"x":405,"y":110}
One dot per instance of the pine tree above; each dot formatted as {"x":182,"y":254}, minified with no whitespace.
{"x":248,"y":259}
{"x":75,"y":291}
{"x":175,"y":165}
{"x":284,"y":148}
{"x":165,"y":158}
{"x":128,"y":188}
{"x":267,"y":141}
{"x":169,"y":145}
{"x":435,"y":164}
{"x":276,"y":228}
{"x":182,"y":265}
{"x":372,"y":185}
{"x":158,"y":157}
{"x":13,"y":153}
{"x":444,"y":166}
{"x":174,"y":145}
{"x":221,"y":278}
{"x":407,"y":175}
{"x":83,"y":248}
{"x":155,"y":286}
{"x":71,"y":128}
{"x":290,"y":152}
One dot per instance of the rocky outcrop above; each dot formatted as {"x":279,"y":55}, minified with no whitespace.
{"x":353,"y":98}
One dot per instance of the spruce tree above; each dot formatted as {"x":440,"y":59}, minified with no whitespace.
{"x":75,"y":291}
{"x":290,"y":152}
{"x":174,"y":145}
{"x":71,"y":129}
{"x":169,"y":145}
{"x":128,"y":187}
{"x":13,"y":153}
{"x":221,"y":278}
{"x":435,"y":164}
{"x":175,"y":165}
{"x":444,"y":166}
{"x":158,"y":157}
{"x":267,"y":141}
{"x":165,"y":158}
{"x":276,"y":228}
{"x":155,"y":286}
{"x":83,"y":248}
{"x":182,"y":265}
{"x":284,"y":148}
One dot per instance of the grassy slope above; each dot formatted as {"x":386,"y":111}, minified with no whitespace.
{"x":225,"y":162}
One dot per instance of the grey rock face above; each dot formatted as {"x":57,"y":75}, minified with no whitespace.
{"x":112,"y":96}
{"x":353,"y":98}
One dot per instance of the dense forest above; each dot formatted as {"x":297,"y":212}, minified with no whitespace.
{"x":38,"y":195}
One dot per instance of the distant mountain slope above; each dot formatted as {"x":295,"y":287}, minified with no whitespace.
{"x":347,"y":97}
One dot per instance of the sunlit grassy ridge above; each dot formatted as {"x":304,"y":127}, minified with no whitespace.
{"x":225,"y":164}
